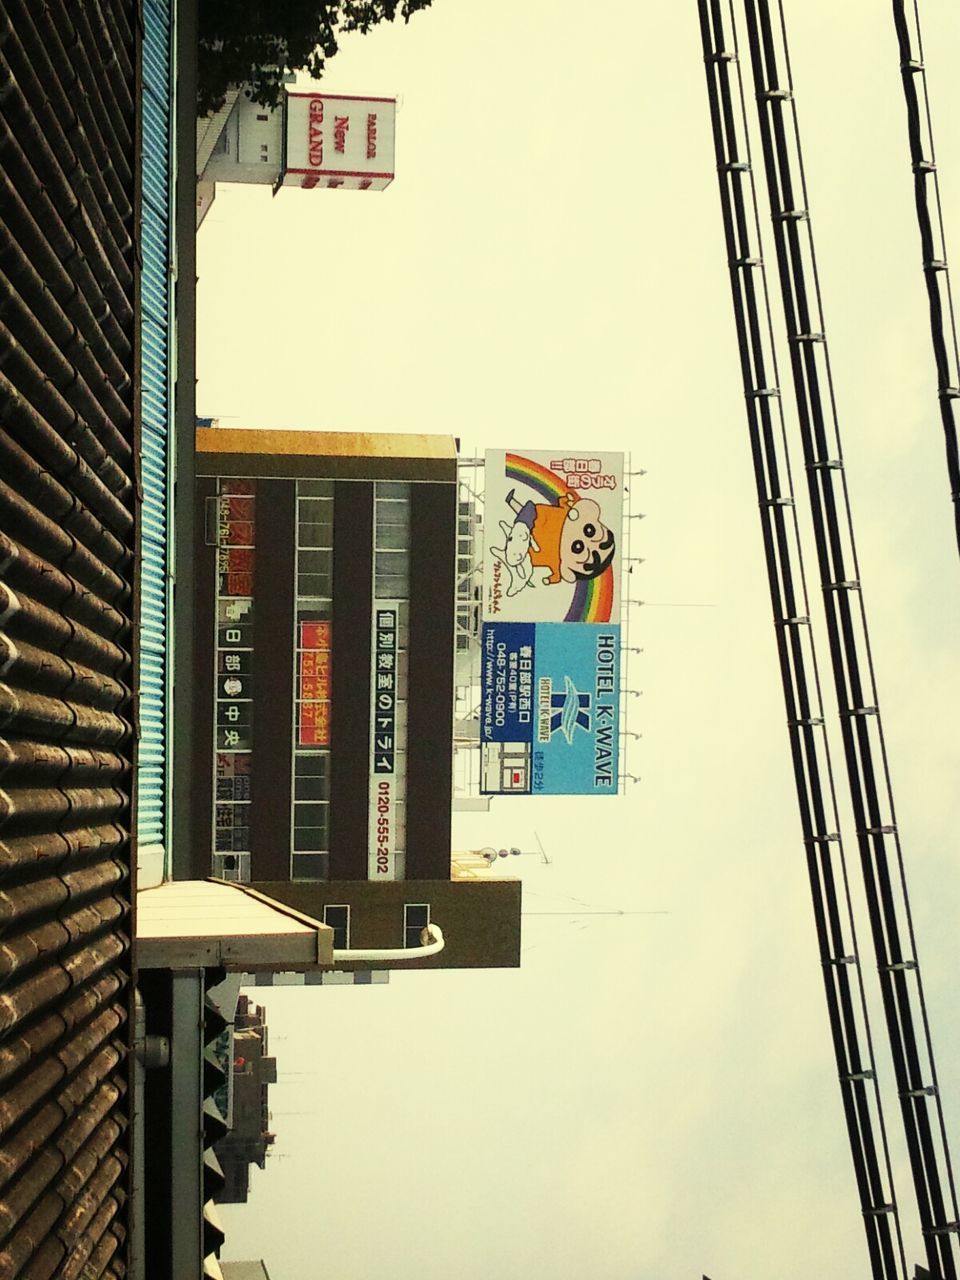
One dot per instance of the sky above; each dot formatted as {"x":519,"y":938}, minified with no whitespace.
{"x":652,"y":1095}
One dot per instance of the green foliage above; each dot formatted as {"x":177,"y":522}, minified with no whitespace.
{"x":260,"y":41}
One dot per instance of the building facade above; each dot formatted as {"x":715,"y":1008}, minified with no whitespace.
{"x":324,"y":691}
{"x":252,"y":1071}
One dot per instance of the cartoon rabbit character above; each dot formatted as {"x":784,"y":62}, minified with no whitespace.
{"x":515,"y":555}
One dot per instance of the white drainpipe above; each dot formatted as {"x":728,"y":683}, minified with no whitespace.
{"x":431,"y":938}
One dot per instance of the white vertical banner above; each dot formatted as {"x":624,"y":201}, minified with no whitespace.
{"x":339,"y":140}
{"x":387,"y":759}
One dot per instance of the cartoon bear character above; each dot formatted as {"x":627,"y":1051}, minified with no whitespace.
{"x":567,"y":537}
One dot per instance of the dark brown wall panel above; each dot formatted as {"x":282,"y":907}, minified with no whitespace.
{"x":433,"y":545}
{"x":480,"y":918}
{"x":350,"y":712}
{"x":309,"y":466}
{"x":273,"y":630}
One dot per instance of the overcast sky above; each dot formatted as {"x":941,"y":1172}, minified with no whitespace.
{"x":651,"y":1096}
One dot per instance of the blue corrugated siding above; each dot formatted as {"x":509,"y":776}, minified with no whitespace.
{"x":156,"y":411}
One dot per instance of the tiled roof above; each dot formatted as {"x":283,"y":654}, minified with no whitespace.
{"x":68,"y":482}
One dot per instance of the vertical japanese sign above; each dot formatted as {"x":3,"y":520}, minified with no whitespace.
{"x":313,"y":705}
{"x":236,"y":541}
{"x":382,"y":857}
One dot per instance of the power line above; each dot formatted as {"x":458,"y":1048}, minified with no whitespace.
{"x":936,"y":274}
{"x":813,"y":777}
{"x":861,"y":728}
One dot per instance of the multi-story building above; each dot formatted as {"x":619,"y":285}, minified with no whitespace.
{"x":251,"y":1072}
{"x":325,"y":579}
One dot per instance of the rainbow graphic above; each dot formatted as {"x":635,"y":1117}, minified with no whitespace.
{"x":592,"y":601}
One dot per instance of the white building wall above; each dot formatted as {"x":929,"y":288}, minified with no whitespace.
{"x":250,"y":147}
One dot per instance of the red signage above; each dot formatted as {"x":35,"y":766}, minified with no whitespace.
{"x":313,"y":706}
{"x":315,"y":142}
{"x":235,"y":566}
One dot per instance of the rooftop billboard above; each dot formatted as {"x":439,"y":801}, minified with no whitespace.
{"x":550,"y":642}
{"x":550,"y":708}
{"x":551,"y":525}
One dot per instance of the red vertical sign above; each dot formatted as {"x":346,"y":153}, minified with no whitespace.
{"x":313,"y":707}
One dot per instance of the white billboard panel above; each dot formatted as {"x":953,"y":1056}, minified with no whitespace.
{"x":334,"y":140}
{"x":552,"y":527}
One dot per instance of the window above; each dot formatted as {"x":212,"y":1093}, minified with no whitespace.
{"x":231,"y":866}
{"x":319,"y":563}
{"x":310,"y":802}
{"x":392,"y":511}
{"x":311,"y":776}
{"x":393,"y":537}
{"x":311,"y":826}
{"x":391,"y":541}
{"x":416,"y":917}
{"x":314,"y":518}
{"x":309,"y":866}
{"x":394,"y":563}
{"x":338,"y":918}
{"x":314,"y":488}
{"x":314,"y":609}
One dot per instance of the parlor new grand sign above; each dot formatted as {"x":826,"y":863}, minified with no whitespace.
{"x":340,"y":141}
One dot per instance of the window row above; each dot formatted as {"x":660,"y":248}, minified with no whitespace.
{"x":313,"y":655}
{"x":391,"y":541}
{"x":310,"y":815}
{"x":416,"y":918}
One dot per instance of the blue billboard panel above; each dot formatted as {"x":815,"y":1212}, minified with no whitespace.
{"x":550,"y":710}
